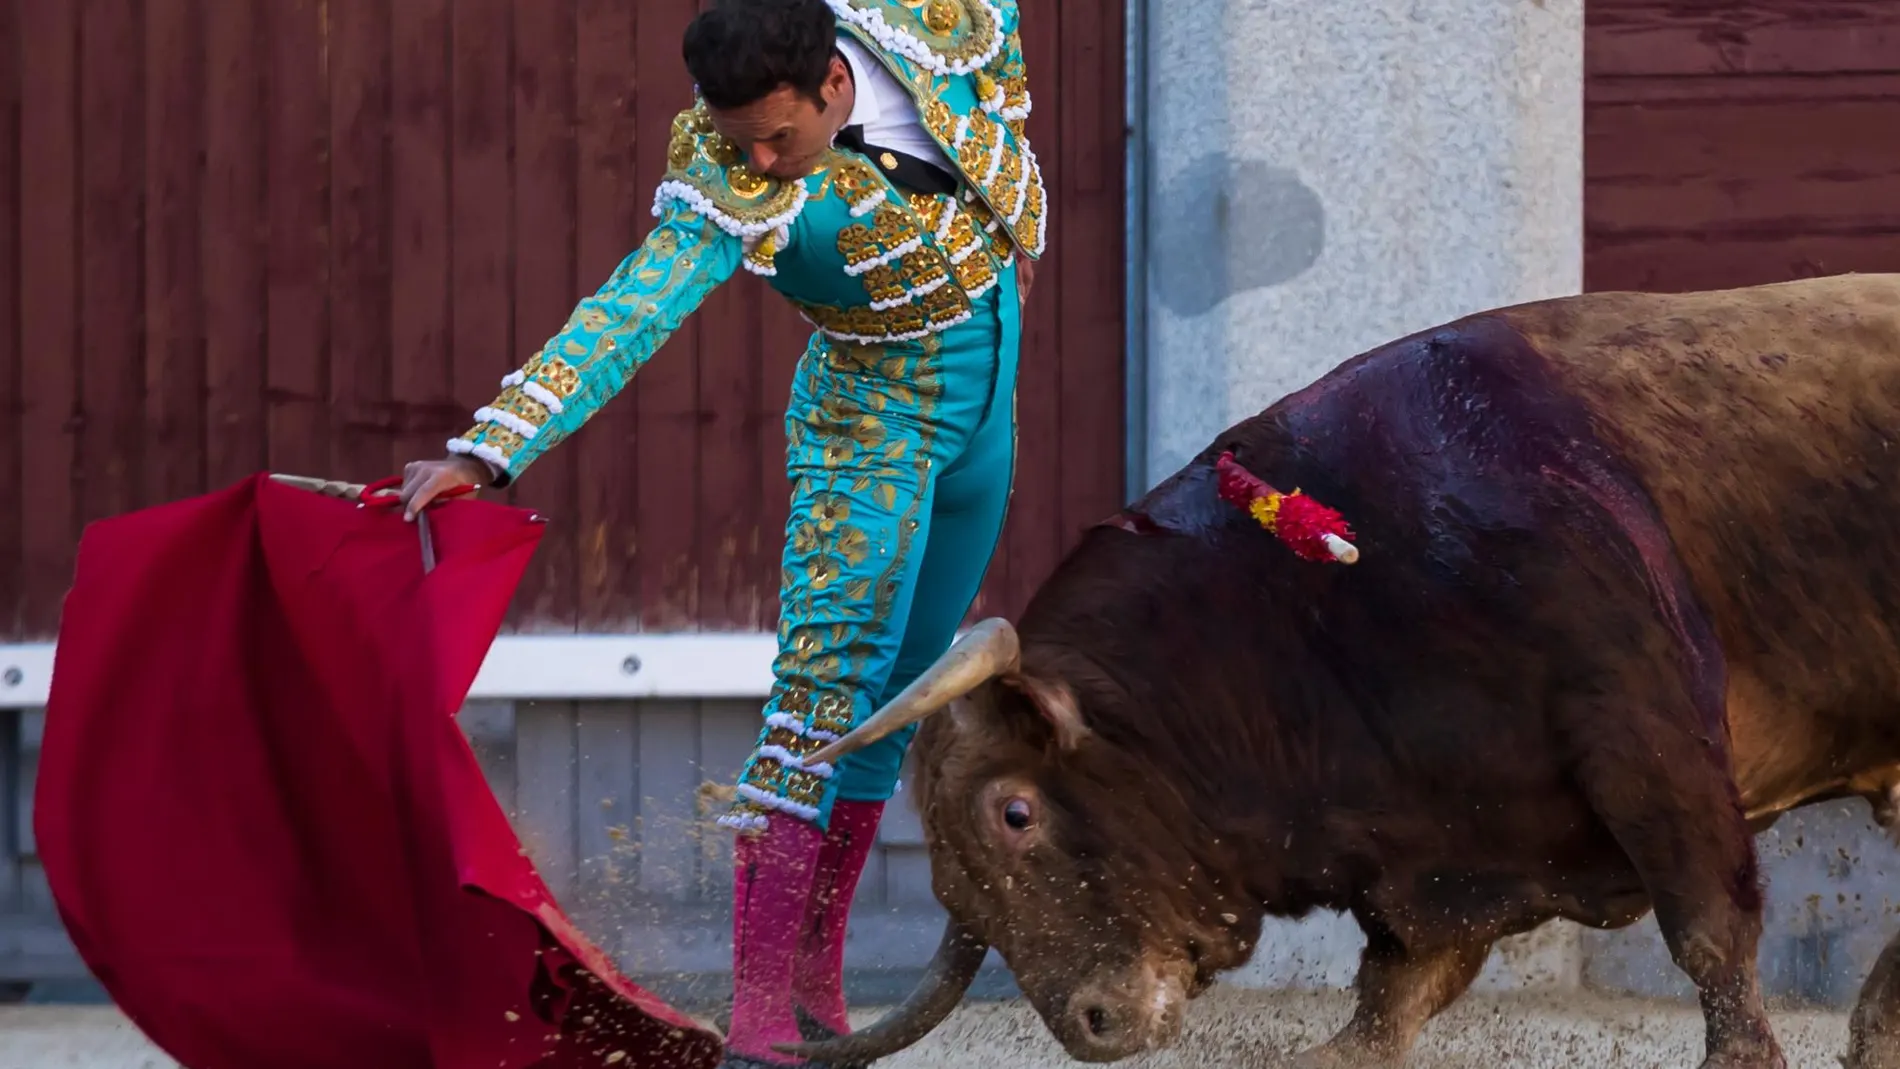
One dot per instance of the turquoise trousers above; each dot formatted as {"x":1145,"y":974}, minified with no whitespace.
{"x":901,"y":458}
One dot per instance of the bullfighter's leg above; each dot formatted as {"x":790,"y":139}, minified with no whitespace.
{"x":970,"y":502}
{"x":872,"y":429}
{"x":1873,"y":1032}
{"x":1398,"y":992}
{"x":1664,"y":792}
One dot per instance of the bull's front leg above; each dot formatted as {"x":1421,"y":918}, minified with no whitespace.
{"x":1662,"y":789}
{"x":1399,"y":991}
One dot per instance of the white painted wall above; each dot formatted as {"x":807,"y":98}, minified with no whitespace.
{"x":1324,"y":177}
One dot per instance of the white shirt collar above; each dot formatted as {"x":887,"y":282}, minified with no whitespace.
{"x":866,"y":109}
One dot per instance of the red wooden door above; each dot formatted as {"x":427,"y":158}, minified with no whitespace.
{"x":313,"y":235}
{"x":1741,"y":141}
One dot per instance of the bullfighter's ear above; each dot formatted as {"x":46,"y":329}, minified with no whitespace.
{"x":1056,"y":701}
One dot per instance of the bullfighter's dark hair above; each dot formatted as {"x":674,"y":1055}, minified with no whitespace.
{"x":741,"y":51}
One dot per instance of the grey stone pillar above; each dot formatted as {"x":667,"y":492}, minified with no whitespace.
{"x":1325,"y":175}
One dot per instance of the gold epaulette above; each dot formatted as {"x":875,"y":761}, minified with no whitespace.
{"x":707,"y":173}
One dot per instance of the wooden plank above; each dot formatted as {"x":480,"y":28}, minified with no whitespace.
{"x":1094,"y":260}
{"x":730,"y":465}
{"x":1737,"y":142}
{"x":482,"y":208}
{"x":421,"y":377}
{"x":12,"y":384}
{"x":1759,"y":37}
{"x":666,"y":392}
{"x":1678,"y":263}
{"x":490,"y":727}
{"x":36,"y":896}
{"x":901,"y":826}
{"x":110,"y":456}
{"x":360,"y":217}
{"x":786,"y":336}
{"x":873,"y":883}
{"x":235,"y":286}
{"x":31,"y":730}
{"x":1032,"y":535}
{"x":545,"y":789}
{"x":12,"y":771}
{"x":728,"y":730}
{"x":669,"y":785}
{"x":610,"y":204}
{"x":1663,"y":92}
{"x":608,"y":743}
{"x":907,"y":878}
{"x":297,"y":421}
{"x":48,"y":238}
{"x":545,"y":294}
{"x":174,"y":145}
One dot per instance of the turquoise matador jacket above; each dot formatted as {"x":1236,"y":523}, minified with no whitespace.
{"x":901,"y":423}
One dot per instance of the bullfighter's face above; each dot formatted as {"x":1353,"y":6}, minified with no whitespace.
{"x":784,"y":134}
{"x":1052,"y":844}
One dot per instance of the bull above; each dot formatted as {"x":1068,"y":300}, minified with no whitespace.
{"x":1625,"y":588}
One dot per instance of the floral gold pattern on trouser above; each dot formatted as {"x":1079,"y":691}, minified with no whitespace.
{"x":901,"y":460}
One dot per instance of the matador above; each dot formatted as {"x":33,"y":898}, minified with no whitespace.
{"x":869,"y":159}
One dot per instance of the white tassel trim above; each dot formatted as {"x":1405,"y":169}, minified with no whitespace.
{"x":998,"y":106}
{"x":907,"y":45}
{"x":744,"y":822}
{"x":757,"y":268}
{"x":797,"y":727}
{"x":515,"y":423}
{"x":773,"y":801}
{"x":926,"y":288}
{"x":543,"y":395}
{"x":483,"y":451}
{"x":900,"y":251}
{"x":791,"y":760}
{"x":1022,"y":193}
{"x":996,"y":162}
{"x":882,"y":339}
{"x":674,"y":189}
{"x":977,"y":293}
{"x":949,"y":219}
{"x":869,"y":204}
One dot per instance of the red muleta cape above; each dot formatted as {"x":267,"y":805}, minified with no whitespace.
{"x":265,"y":832}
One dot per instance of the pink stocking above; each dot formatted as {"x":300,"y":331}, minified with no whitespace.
{"x":771,"y":883}
{"x":818,"y":980}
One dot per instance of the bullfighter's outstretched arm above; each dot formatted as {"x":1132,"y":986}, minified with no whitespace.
{"x":608,"y":339}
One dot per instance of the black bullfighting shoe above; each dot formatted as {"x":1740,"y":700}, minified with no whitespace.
{"x":809,"y":1030}
{"x":812,"y":1031}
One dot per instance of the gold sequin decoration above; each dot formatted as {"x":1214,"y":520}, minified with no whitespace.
{"x":942,"y":16}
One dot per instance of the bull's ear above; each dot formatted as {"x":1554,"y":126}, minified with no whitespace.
{"x":1056,"y":701}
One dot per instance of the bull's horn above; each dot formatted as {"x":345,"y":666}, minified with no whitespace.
{"x":987,"y":651}
{"x":959,"y":956}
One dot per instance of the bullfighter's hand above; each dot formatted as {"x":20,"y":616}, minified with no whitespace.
{"x":1025,"y":276}
{"x":425,"y":480}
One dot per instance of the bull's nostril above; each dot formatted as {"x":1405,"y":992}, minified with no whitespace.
{"x":1096,"y":1018}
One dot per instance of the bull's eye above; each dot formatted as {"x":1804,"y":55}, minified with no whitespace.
{"x":1017,"y":815}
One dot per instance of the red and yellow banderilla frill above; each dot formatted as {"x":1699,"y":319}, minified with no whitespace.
{"x":1309,"y":528}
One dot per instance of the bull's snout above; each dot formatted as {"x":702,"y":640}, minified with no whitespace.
{"x":1106,"y":1022}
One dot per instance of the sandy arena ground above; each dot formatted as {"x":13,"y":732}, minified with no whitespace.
{"x":1227,"y":1028}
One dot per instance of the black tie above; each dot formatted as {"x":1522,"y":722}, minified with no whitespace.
{"x":903,"y":169}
